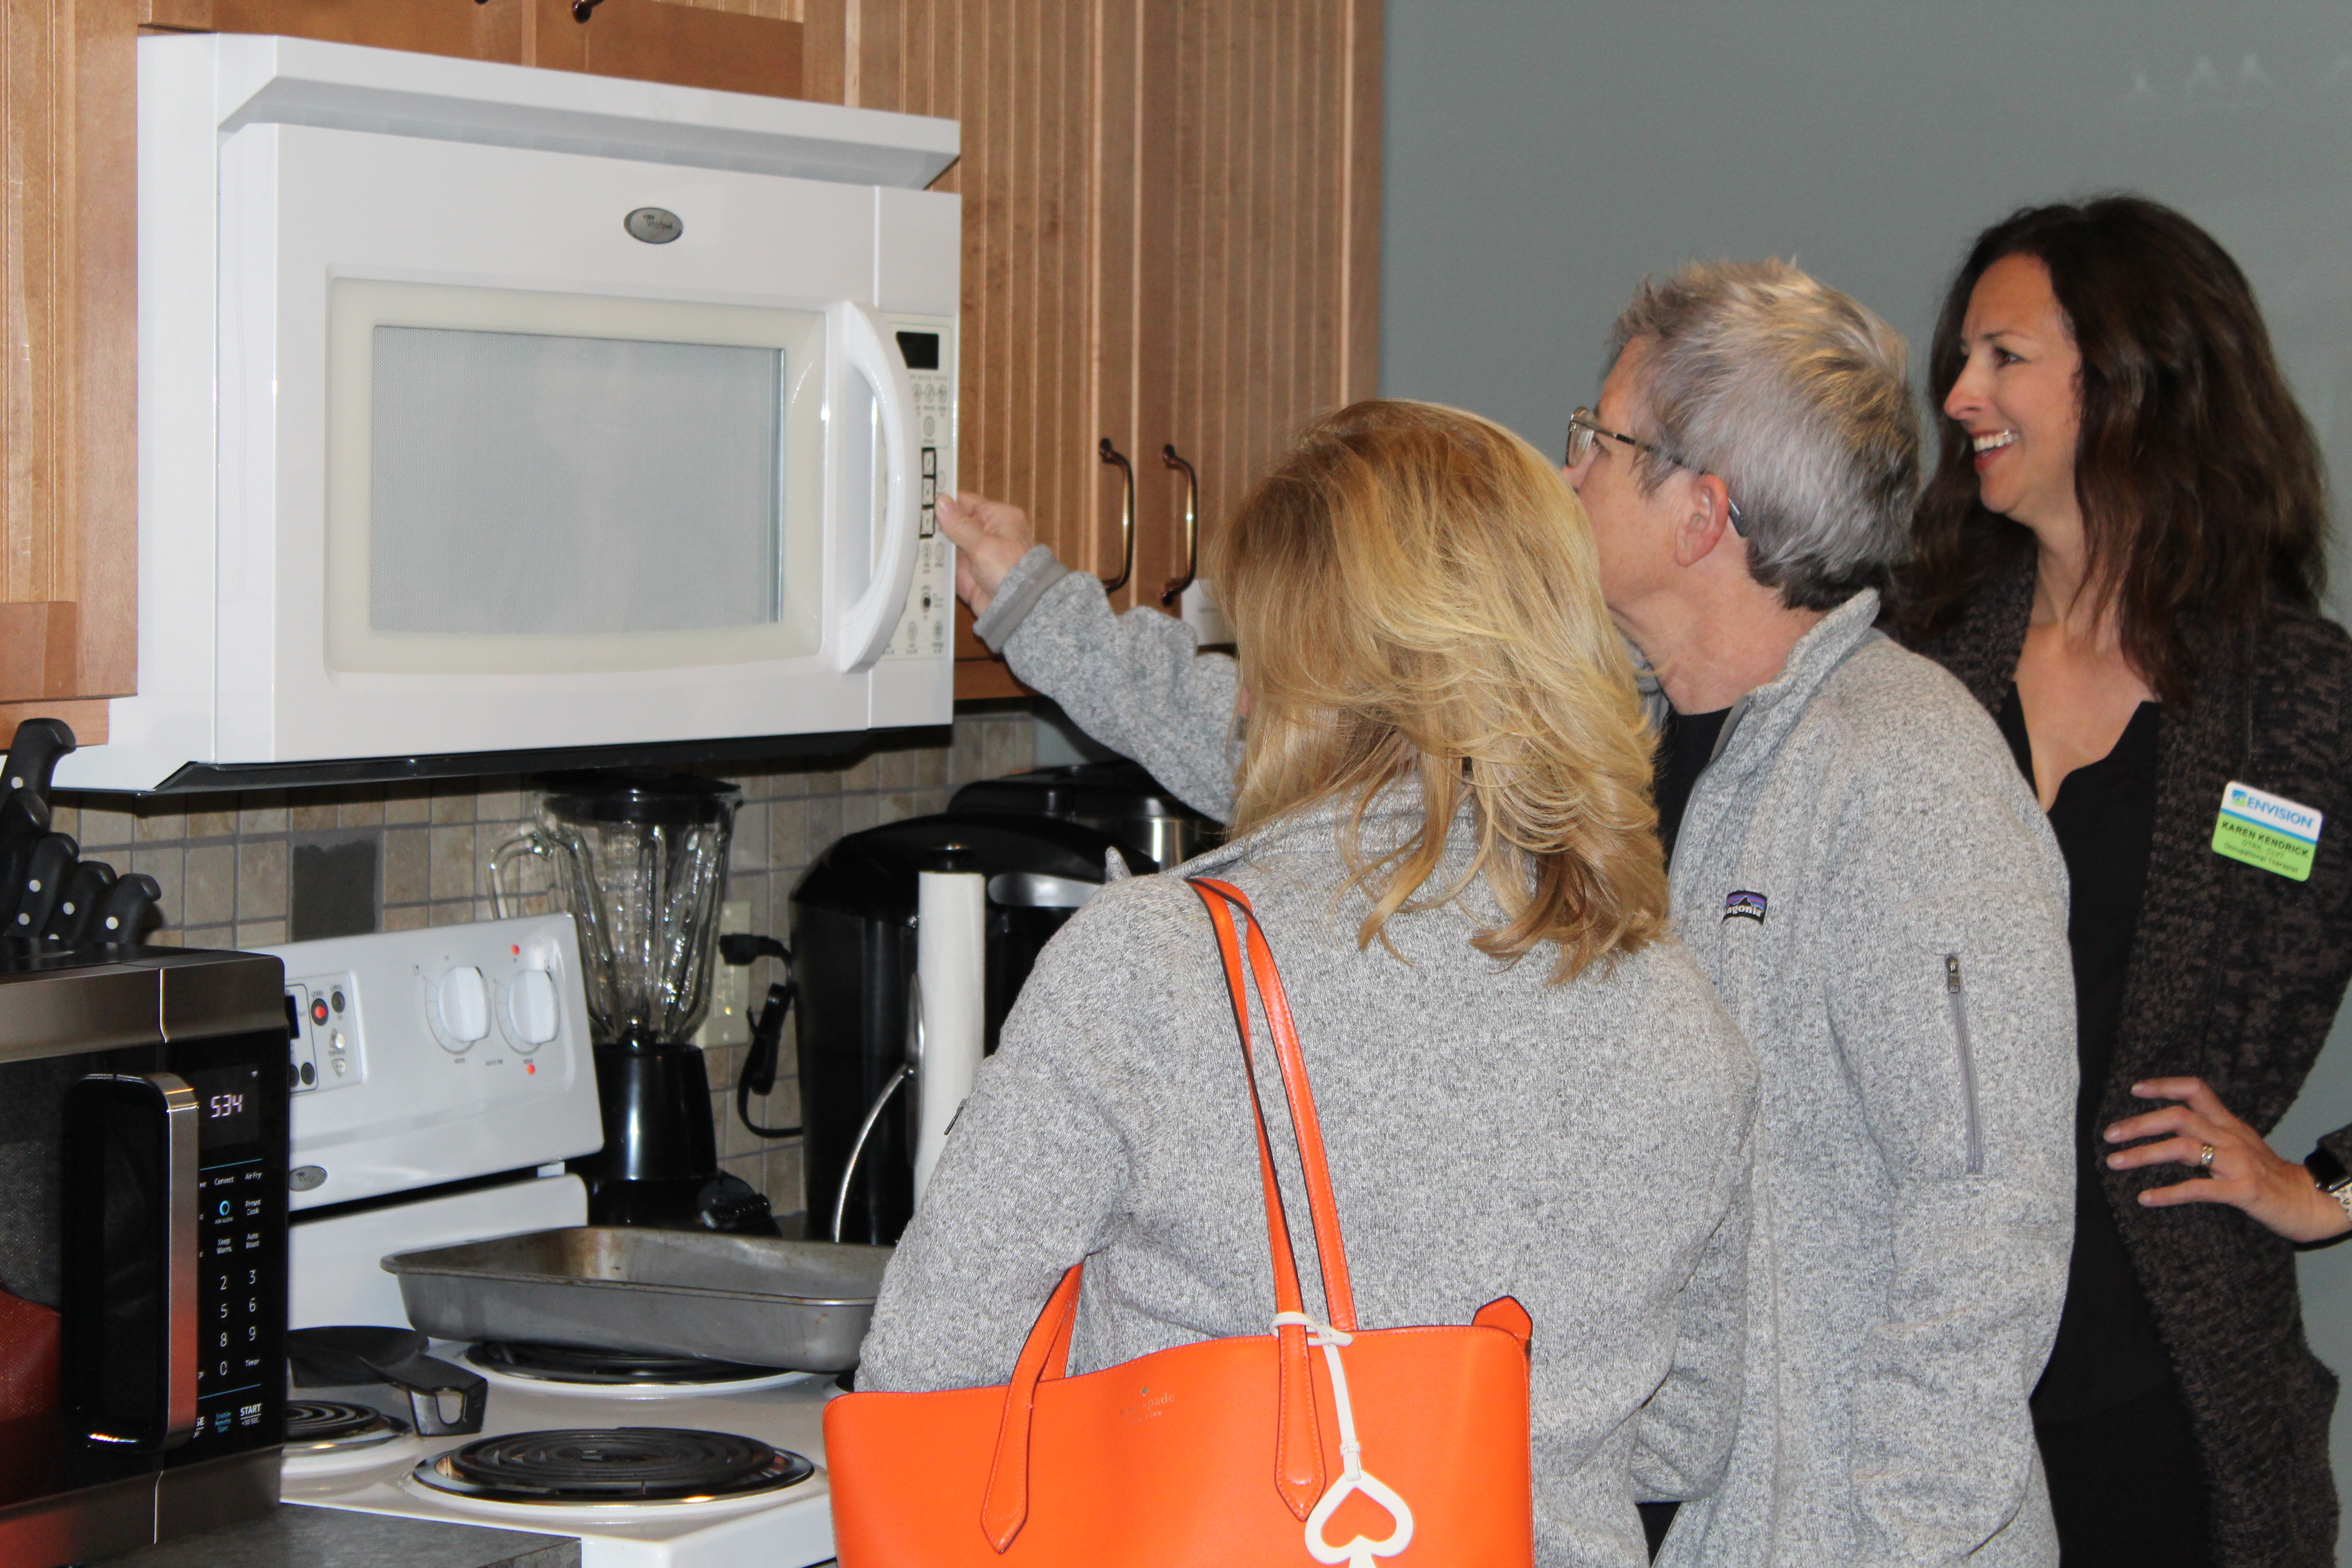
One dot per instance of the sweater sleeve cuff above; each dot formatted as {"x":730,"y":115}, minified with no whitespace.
{"x":1017,"y":596}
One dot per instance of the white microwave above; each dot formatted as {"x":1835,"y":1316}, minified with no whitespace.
{"x":489,"y":417}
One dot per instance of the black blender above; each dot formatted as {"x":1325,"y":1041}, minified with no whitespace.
{"x":639,"y":861}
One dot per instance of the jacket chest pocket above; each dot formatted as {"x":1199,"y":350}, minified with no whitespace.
{"x":1956,"y":1002}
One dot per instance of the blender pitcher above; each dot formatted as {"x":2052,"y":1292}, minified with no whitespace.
{"x":639,"y":861}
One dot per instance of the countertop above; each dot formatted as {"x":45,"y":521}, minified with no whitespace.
{"x":295,"y":1536}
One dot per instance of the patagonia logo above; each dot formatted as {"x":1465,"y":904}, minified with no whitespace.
{"x":1744,"y":905}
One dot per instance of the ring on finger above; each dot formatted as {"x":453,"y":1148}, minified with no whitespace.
{"x":2205,"y":1159}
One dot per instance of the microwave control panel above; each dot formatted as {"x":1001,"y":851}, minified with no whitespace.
{"x":927,"y":629}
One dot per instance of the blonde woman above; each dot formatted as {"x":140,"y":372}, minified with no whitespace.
{"x":1525,"y":1085}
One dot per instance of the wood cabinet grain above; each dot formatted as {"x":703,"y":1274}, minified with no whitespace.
{"x":739,"y":46}
{"x":68,"y":493}
{"x":1170,"y":238}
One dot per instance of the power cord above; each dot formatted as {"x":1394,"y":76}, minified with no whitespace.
{"x":757,"y":1075}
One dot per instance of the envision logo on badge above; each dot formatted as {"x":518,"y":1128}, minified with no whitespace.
{"x":655,"y":226}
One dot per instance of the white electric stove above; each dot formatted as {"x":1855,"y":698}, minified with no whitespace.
{"x":450,"y":1078}
{"x":784,"y":1526}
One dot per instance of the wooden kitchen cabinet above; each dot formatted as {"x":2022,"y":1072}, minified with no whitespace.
{"x":68,"y":478}
{"x":741,"y":46}
{"x":1170,"y":236}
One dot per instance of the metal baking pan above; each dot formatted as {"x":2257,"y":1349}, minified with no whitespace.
{"x":802,"y":1305}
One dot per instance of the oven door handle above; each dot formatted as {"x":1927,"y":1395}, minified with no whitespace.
{"x":166,"y":1134}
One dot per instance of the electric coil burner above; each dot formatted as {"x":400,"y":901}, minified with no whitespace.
{"x":579,"y":1364}
{"x":331,"y":1426}
{"x":616,"y":1465}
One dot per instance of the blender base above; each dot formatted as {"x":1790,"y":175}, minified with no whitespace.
{"x":721,"y":1202}
{"x":659,"y":1165}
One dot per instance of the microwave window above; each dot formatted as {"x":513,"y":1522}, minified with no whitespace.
{"x":540,"y":484}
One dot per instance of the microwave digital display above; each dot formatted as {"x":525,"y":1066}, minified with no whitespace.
{"x":920,"y":350}
{"x":228,"y":1106}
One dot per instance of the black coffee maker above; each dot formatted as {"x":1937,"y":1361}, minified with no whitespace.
{"x":639,"y":861}
{"x":1114,"y":797}
{"x":854,"y":945}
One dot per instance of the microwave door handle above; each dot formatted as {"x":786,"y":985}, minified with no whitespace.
{"x":869,"y":623}
{"x":173,"y":1105}
{"x":180,"y":1261}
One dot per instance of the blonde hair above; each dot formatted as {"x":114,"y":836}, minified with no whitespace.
{"x":1414,"y":597}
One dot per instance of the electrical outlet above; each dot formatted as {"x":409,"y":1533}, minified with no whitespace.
{"x":727,"y":1023}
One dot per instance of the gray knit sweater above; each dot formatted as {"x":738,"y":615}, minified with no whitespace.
{"x":1583,"y":1147}
{"x":1861,"y":843}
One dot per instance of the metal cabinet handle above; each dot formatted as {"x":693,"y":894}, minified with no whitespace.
{"x":1111,"y":454}
{"x":1177,"y":586}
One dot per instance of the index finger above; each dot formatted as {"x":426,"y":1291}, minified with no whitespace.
{"x":2195,"y":1092}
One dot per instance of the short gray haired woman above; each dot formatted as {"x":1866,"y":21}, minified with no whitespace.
{"x":1524,"y":1084}
{"x":1795,"y":396}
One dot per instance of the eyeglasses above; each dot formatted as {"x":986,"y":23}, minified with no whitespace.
{"x":1585,"y":432}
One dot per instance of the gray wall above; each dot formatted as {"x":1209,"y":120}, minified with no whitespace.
{"x":1542,"y":157}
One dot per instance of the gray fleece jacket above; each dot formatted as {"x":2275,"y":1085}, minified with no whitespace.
{"x":1583,"y":1147}
{"x":1880,"y":905}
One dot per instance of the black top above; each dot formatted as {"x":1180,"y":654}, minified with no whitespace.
{"x":2108,"y":1352}
{"x":1685,"y":745}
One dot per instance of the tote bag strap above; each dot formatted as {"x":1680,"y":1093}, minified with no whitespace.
{"x":1330,"y":1250}
{"x":1299,"y":1476}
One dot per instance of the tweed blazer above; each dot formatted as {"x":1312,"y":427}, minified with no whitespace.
{"x":2235,"y":976}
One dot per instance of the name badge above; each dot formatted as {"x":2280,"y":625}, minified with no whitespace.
{"x":2267,"y":830}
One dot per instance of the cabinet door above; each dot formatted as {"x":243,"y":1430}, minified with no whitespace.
{"x":1171,"y":237}
{"x":1257,"y":126}
{"x":736,"y":46}
{"x":68,"y":494}
{"x":1047,"y":333}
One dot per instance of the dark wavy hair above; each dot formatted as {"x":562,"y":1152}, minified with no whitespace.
{"x":2203,"y":491}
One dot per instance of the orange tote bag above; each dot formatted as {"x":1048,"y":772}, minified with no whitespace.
{"x":1313,"y":1443}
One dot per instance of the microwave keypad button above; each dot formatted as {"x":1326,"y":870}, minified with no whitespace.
{"x":930,"y":465}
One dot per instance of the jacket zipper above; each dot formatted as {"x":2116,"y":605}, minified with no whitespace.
{"x":1958,"y":1004}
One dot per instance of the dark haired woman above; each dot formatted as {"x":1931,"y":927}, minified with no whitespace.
{"x":2120,"y":553}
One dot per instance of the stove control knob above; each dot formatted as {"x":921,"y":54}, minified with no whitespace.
{"x":465,"y":1004}
{"x":531,"y":1011}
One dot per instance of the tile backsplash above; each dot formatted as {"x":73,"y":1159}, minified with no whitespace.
{"x":227,"y":863}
